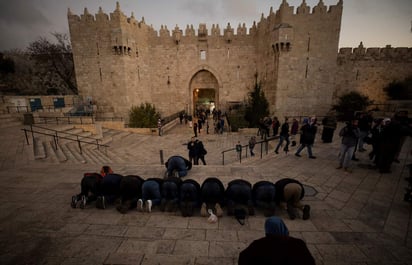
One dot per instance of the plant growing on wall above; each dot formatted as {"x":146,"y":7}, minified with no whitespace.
{"x":349,"y":103}
{"x":143,"y":116}
{"x":399,"y":90}
{"x":257,"y":106}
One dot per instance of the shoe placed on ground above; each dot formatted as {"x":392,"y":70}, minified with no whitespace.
{"x":291,"y":211}
{"x":385,"y":171}
{"x":184,"y":209}
{"x":306,"y":212}
{"x":149,"y":205}
{"x":101,"y":202}
{"x":83,"y":202}
{"x":276,"y":152}
{"x":219,"y":211}
{"x":121,"y":208}
{"x":171,"y":206}
{"x":251,"y":210}
{"x":73,"y":204}
{"x":348,"y":170}
{"x":203,"y":210}
{"x":163,"y":203}
{"x":312,"y":157}
{"x":298,"y":155}
{"x":339,"y":167}
{"x":140,"y":205}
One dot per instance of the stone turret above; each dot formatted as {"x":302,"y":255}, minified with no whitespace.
{"x":121,"y":62}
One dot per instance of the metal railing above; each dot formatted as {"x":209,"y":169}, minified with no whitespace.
{"x":264,"y":149}
{"x":66,"y":136}
{"x":65,"y":120}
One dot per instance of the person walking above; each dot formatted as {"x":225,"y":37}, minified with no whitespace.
{"x":284,"y":136}
{"x":350,"y":135}
{"x":195,"y":129}
{"x":329,"y":126}
{"x":252,"y":143}
{"x":200,"y":152}
{"x":307,"y":137}
{"x":239,"y":150}
{"x":191,"y":146}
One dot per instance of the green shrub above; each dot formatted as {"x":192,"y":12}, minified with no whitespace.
{"x":144,"y":116}
{"x":350,"y":103}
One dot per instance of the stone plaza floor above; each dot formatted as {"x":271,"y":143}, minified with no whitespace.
{"x":356,"y":219}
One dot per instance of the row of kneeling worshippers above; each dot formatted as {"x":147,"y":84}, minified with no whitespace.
{"x":172,"y":194}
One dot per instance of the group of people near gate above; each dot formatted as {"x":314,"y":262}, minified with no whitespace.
{"x":172,"y":193}
{"x":385,"y":136}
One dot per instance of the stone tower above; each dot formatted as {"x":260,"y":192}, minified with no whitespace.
{"x":121,"y":62}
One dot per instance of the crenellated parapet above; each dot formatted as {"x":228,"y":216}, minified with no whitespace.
{"x":387,"y":53}
{"x":274,"y":21}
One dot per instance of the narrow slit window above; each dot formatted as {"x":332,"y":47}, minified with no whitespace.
{"x":202,"y":55}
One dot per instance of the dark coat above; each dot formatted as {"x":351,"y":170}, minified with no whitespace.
{"x":276,"y":250}
{"x":308,"y":134}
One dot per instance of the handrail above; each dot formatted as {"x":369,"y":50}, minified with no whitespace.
{"x":56,"y":138}
{"x":69,"y":119}
{"x":62,"y":132}
{"x":264,"y":146}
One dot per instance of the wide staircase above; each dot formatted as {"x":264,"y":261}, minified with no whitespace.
{"x":120,"y":147}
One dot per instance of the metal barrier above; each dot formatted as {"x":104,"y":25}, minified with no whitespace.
{"x":264,"y":148}
{"x":55,"y":134}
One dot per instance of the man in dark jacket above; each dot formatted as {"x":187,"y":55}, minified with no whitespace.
{"x":283,"y":136}
{"x":239,"y":195}
{"x":178,"y":165}
{"x":189,"y":196}
{"x":109,"y":190}
{"x":212,"y":195}
{"x":130,"y":191}
{"x":289,"y":193}
{"x":264,"y":196}
{"x":276,"y":248}
{"x":89,"y":190}
{"x":307,"y":137}
{"x":170,"y":194}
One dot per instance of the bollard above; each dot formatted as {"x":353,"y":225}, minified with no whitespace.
{"x":161,"y":157}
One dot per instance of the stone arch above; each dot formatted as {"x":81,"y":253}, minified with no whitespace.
{"x":204,"y":87}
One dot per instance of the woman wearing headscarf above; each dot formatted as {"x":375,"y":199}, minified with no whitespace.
{"x":277,"y":247}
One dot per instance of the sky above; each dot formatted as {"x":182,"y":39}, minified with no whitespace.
{"x":376,"y":23}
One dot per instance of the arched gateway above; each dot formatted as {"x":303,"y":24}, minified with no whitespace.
{"x":203,"y":91}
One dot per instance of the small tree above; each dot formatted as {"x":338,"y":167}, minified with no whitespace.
{"x":257,"y":106}
{"x":351,"y":102}
{"x":54,"y":61}
{"x":400,"y":90}
{"x":144,"y":116}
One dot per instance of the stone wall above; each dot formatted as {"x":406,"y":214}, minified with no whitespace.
{"x":121,"y":62}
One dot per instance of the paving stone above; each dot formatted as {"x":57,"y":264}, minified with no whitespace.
{"x":356,"y":219}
